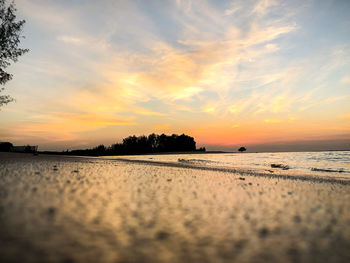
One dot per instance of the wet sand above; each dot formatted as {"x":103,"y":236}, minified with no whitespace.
{"x":69,"y":209}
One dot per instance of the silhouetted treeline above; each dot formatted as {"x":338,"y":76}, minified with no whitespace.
{"x":152,"y":143}
{"x":8,"y":147}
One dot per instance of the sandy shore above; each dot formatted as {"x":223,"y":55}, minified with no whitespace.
{"x":68,"y":209}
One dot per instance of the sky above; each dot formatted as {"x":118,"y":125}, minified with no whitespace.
{"x":266,"y":74}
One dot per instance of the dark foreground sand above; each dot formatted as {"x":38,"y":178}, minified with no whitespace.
{"x":66,"y":209}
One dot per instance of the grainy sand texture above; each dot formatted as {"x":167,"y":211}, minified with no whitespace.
{"x":69,"y":209}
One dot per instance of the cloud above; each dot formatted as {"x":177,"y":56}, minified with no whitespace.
{"x":149,"y":113}
{"x":185,"y":5}
{"x":70,"y":40}
{"x":272,"y":121}
{"x":166,"y":72}
{"x":65,"y":126}
{"x":262,"y":7}
{"x":232,"y":10}
{"x":325,"y":101}
{"x":345,"y":116}
{"x":345,"y":80}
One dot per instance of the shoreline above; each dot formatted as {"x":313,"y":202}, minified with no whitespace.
{"x":237,"y":171}
{"x":193,"y":152}
{"x":233,"y":170}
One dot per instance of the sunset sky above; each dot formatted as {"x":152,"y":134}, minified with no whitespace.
{"x":269,"y":75}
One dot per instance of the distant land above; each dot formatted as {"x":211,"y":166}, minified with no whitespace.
{"x":167,"y":144}
{"x":152,"y":143}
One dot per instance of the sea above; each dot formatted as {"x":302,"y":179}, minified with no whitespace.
{"x":330,"y":164}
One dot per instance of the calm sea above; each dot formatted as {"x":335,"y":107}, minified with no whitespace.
{"x":334,"y":164}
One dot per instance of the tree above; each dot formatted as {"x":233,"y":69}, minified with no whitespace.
{"x":10,"y":35}
{"x":5,"y":147}
{"x":145,"y":144}
{"x":242,"y":149}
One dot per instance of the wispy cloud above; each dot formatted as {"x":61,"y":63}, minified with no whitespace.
{"x":263,"y":6}
{"x":70,"y":39}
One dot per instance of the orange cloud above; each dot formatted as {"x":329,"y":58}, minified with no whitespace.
{"x":272,"y":121}
{"x":65,"y":126}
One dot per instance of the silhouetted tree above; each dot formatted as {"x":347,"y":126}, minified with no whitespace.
{"x":99,"y":150}
{"x":152,"y":142}
{"x":5,"y":147}
{"x":130,"y":144}
{"x":242,"y":149}
{"x":10,"y":35}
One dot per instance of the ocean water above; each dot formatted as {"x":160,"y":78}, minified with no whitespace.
{"x":334,"y":164}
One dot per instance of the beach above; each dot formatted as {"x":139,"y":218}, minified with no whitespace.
{"x":73,"y":209}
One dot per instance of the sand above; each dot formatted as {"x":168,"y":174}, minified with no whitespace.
{"x":69,"y":209}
